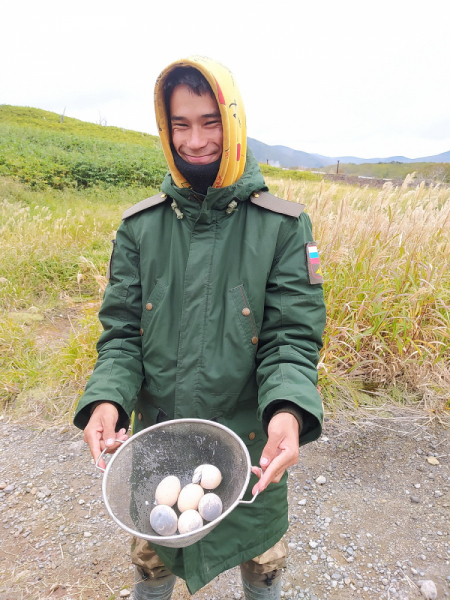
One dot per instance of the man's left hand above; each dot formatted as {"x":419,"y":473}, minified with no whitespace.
{"x":280,"y":452}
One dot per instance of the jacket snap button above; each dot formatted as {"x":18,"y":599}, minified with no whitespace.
{"x":140,"y":417}
{"x":251,"y":436}
{"x":149,"y":306}
{"x":141,"y":331}
{"x":245,"y":311}
{"x":254,"y":340}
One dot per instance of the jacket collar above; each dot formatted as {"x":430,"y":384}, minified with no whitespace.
{"x":217,"y":199}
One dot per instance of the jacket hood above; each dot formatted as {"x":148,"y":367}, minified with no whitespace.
{"x":226,"y":92}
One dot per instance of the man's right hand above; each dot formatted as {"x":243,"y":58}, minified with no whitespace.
{"x":100,"y":433}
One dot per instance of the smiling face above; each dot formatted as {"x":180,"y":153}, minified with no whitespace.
{"x":196,"y":126}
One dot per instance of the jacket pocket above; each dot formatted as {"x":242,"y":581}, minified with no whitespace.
{"x":152,"y":304}
{"x":245,"y":319}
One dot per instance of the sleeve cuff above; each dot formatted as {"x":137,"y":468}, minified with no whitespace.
{"x":280,"y":406}
{"x":123,"y":422}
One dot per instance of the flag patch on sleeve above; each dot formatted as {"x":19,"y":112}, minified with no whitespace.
{"x":313,"y":263}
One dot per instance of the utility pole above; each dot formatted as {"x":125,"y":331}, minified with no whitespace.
{"x":337,"y":167}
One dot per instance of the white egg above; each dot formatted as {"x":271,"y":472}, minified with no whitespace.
{"x":190,"y":497}
{"x":168,"y":491}
{"x":164,"y":520}
{"x":210,"y":507}
{"x":208,"y":476}
{"x":198,"y":474}
{"x":189,"y":521}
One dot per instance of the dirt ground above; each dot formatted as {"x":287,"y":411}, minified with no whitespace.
{"x":376,"y":528}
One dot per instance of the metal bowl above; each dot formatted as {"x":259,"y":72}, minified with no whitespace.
{"x":173,"y":448}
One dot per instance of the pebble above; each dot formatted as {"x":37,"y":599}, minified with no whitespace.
{"x":428,"y":589}
{"x":432,"y":460}
{"x":125,"y":593}
{"x":321,"y":480}
{"x":329,"y":555}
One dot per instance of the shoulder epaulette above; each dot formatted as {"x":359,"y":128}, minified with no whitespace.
{"x":143,"y":204}
{"x":278,"y":205}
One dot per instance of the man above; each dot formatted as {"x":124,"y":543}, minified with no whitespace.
{"x":214,"y":310}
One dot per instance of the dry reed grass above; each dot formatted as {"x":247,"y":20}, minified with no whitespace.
{"x":385,"y":256}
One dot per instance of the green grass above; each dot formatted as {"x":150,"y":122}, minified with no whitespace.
{"x":438,"y":172}
{"x":36,"y":118}
{"x":276,"y":172}
{"x":38,"y":150}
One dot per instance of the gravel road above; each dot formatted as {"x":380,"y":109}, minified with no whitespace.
{"x":369,"y":514}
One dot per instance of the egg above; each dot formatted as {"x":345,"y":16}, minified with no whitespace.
{"x":210,"y":507}
{"x":189,"y":521}
{"x":168,"y":491}
{"x":164,"y":520}
{"x":189,"y":497}
{"x":208,"y":476}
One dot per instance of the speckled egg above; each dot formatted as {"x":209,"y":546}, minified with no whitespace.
{"x":164,"y":520}
{"x":168,"y":491}
{"x":210,"y":507}
{"x":189,"y":521}
{"x":190,"y":497}
{"x":208,"y":476}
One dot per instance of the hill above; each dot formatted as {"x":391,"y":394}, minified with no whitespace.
{"x":38,"y":149}
{"x":37,"y":118}
{"x":282,"y":156}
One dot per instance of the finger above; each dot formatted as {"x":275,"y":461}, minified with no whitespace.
{"x":92,"y":438}
{"x":101,"y":464}
{"x":257,"y":471}
{"x":270,"y":451}
{"x":266,"y":478}
{"x":109,"y":435}
{"x":118,"y":438}
{"x":276,"y":469}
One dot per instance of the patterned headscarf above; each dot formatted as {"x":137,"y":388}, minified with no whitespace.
{"x":232,"y":113}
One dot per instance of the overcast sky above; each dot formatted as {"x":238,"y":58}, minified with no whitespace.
{"x":344,"y":77}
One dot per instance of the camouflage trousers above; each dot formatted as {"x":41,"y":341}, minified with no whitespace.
{"x":257,"y":569}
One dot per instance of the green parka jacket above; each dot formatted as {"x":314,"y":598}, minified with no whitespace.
{"x":178,"y":343}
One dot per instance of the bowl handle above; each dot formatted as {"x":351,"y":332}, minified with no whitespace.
{"x":101,"y":456}
{"x":254,"y":497}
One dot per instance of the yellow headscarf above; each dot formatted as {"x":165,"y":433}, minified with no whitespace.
{"x":232,"y":112}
